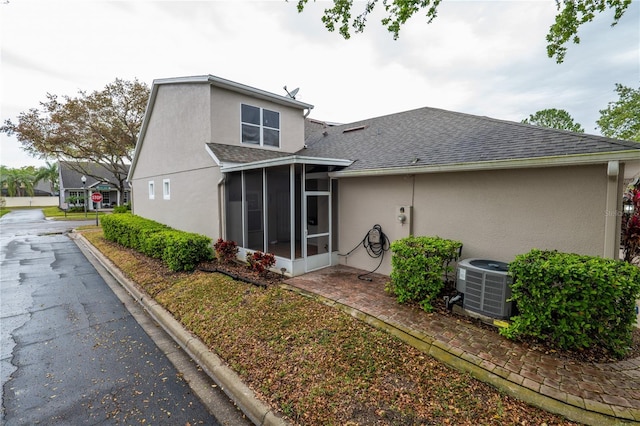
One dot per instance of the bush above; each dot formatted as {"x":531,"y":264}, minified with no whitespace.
{"x":184,"y":250}
{"x":126,"y":208}
{"x":572,"y":301}
{"x":129,"y":230}
{"x":180,"y":251}
{"x":260,"y":262}
{"x":419,"y":267}
{"x":226,"y":251}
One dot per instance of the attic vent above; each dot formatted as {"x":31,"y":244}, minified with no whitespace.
{"x":353,"y":129}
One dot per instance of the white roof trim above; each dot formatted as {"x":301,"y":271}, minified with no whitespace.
{"x":565,"y":160}
{"x":214,"y":81}
{"x":282,"y":161}
{"x":236,"y":87}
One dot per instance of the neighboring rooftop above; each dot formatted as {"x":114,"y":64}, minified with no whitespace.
{"x":71,"y":174}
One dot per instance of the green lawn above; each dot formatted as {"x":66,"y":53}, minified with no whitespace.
{"x":55,"y":213}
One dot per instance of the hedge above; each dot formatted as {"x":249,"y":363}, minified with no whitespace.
{"x":574,"y":301}
{"x":419,"y":268}
{"x":179,"y":250}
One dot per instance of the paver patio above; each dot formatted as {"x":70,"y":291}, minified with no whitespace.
{"x":592,"y":393}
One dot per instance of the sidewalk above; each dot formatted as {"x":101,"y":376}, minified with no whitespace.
{"x":591,"y":393}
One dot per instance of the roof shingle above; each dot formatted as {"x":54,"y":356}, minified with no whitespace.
{"x":430,"y":136}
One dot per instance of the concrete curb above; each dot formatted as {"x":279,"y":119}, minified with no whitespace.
{"x":258,"y":412}
{"x":597,"y":416}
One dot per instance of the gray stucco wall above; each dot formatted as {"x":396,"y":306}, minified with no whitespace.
{"x":496,"y":214}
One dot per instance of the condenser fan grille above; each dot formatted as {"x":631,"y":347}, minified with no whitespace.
{"x":485,"y":291}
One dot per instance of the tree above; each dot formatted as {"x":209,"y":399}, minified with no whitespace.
{"x":554,"y":119}
{"x":48,"y":173}
{"x":621,"y":119}
{"x":572,"y":14}
{"x":18,"y":182}
{"x":99,"y":127}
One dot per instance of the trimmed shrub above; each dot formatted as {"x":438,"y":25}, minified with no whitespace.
{"x":180,"y":251}
{"x":129,"y":230}
{"x":126,"y":208}
{"x":573,"y":301}
{"x":184,"y":250}
{"x":260,"y":262}
{"x":226,"y":251}
{"x":420,"y":265}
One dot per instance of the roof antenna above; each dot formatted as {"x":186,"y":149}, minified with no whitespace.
{"x":293,"y":93}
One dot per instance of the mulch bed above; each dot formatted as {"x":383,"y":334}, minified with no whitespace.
{"x":593,"y":355}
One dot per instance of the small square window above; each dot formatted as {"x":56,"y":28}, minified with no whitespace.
{"x":166,"y":189}
{"x":152,"y":192}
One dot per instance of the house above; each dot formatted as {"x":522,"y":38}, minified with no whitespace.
{"x":232,"y":161}
{"x":97,"y":178}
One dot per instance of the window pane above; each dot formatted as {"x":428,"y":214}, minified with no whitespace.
{"x":279,"y":211}
{"x":250,"y":134}
{"x":250,"y":114}
{"x":254,"y":213}
{"x":271,"y":119}
{"x":271,"y":137}
{"x":317,"y":214}
{"x":233,"y":192}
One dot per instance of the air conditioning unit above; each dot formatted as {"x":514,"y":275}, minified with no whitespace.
{"x":486,"y":286}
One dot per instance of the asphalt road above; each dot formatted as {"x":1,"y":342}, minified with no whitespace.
{"x":71,"y":352}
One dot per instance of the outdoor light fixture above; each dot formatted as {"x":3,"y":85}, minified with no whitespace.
{"x":627,"y":208}
{"x":84,"y":194}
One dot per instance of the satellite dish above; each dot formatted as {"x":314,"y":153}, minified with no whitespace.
{"x":293,"y":93}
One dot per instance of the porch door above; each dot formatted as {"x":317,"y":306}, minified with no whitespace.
{"x":317,"y":203}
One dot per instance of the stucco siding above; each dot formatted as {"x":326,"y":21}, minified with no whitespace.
{"x":496,"y":214}
{"x":174,"y":148}
{"x":225,"y":119}
{"x":192,"y":205}
{"x":178,"y":129}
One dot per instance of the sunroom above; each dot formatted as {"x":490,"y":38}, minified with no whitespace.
{"x":285,"y":205}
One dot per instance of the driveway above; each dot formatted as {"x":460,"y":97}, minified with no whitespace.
{"x":71,"y":351}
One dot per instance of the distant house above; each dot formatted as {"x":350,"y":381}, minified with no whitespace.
{"x":228,"y":160}
{"x":97,"y":179}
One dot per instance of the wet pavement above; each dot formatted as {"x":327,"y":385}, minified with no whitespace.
{"x":71,"y":352}
{"x":591,"y":393}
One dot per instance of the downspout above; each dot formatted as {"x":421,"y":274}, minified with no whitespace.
{"x":612,"y":219}
{"x":306,"y":114}
{"x":221,"y":182}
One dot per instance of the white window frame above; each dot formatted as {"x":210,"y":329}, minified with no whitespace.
{"x":166,"y":189}
{"x":261,"y":127}
{"x":152,"y":190}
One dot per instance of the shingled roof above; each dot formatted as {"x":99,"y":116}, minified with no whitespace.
{"x":71,"y":176}
{"x":242,"y":154}
{"x":435,"y":137}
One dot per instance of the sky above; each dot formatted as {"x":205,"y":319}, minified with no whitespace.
{"x":479,"y":57}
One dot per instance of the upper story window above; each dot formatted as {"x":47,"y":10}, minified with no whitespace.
{"x":260,"y":126}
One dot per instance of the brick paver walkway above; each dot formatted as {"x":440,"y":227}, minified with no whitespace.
{"x":591,"y":393}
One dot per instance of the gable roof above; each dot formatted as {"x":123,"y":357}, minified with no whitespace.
{"x":433,"y":139}
{"x":213,"y":81}
{"x":70,"y":178}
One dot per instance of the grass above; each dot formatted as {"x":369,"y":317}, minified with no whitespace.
{"x":314,"y":364}
{"x":55,"y":212}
